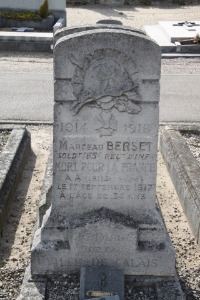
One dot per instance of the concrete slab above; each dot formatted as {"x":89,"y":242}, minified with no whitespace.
{"x":159,"y":36}
{"x":26,"y":36}
{"x":179,"y":33}
{"x":12,"y":160}
{"x":26,"y":41}
{"x":165,"y":35}
{"x":23,"y":39}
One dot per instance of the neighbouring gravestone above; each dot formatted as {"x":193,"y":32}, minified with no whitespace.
{"x":178,"y":31}
{"x":103,"y":210}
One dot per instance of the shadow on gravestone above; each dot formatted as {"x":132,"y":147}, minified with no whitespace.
{"x":103,"y":210}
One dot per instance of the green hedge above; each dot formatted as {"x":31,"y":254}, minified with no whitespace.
{"x":28,"y":15}
{"x":21,"y":15}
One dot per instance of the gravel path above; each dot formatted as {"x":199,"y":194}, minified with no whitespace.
{"x":131,"y":15}
{"x":37,"y":62}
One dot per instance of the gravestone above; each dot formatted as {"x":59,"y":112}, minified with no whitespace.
{"x":103,"y":210}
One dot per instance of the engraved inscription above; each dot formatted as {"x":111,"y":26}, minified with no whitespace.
{"x":73,"y":127}
{"x":130,"y":263}
{"x":83,"y":127}
{"x":129,"y":146}
{"x":109,"y":170}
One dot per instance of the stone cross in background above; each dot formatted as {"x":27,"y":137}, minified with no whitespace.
{"x":190,"y":26}
{"x":103,"y":210}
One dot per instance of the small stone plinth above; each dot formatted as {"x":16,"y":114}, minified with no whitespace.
{"x":106,"y":280}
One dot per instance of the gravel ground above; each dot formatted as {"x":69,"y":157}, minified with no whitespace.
{"x":131,"y":15}
{"x":15,"y":243}
{"x":10,"y":279}
{"x":4,"y":135}
{"x":67,"y":287}
{"x":10,"y":282}
{"x":16,"y":240}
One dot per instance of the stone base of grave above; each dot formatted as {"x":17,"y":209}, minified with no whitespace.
{"x":32,"y":288}
{"x":103,"y":238}
{"x":99,"y":238}
{"x":145,"y":287}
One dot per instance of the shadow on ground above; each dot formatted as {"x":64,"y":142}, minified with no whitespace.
{"x":17,"y":207}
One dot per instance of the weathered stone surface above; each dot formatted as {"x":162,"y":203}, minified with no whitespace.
{"x":32,"y":289}
{"x":12,"y":160}
{"x":101,"y":279}
{"x":71,"y":30}
{"x":185,"y":174}
{"x":103,"y":210}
